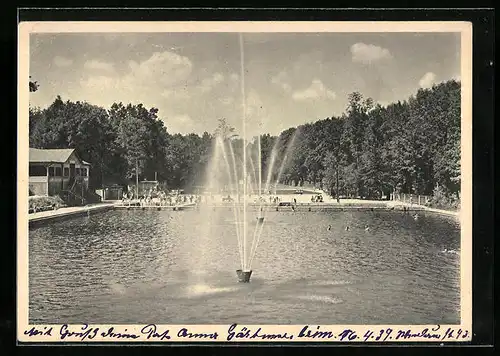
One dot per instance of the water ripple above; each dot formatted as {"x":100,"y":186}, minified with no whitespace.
{"x":179,"y":267}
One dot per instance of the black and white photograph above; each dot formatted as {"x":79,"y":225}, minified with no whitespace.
{"x":241,"y":174}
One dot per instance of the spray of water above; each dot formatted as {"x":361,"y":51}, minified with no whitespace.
{"x":270,"y":170}
{"x":259,"y":160}
{"x":244,"y":107}
{"x":236,"y":184}
{"x":253,"y":172}
{"x":220,"y":144}
{"x":259,"y":229}
{"x":237,"y":173}
{"x":287,"y":152}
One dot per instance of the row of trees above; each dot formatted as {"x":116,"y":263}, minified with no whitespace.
{"x":411,"y":146}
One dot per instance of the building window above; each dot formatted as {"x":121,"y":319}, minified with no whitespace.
{"x":58,"y":171}
{"x":77,"y":171}
{"x":38,"y":171}
{"x":66,"y":171}
{"x":51,"y":171}
{"x":84,"y":172}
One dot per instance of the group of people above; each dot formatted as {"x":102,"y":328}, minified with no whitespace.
{"x":317,"y":198}
{"x":258,"y":199}
{"x":157,"y":197}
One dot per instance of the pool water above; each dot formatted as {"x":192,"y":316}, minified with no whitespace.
{"x":179,"y":267}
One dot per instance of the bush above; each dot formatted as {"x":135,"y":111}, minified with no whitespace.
{"x":443,"y":200}
{"x":42,"y":202}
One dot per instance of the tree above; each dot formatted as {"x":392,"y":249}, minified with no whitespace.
{"x":352,"y":138}
{"x":33,"y":85}
{"x":76,"y":125}
{"x":224,"y":130}
{"x":141,"y":139}
{"x":410,"y":146}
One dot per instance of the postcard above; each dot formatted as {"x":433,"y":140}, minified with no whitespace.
{"x":222,"y":182}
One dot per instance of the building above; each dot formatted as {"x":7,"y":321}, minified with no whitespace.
{"x":111,"y":192}
{"x":53,"y":171}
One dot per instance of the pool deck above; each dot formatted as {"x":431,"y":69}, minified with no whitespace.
{"x":157,"y":207}
{"x":63,"y":213}
{"x":399,"y":204}
{"x":301,"y":205}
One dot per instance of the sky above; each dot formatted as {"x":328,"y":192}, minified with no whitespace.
{"x":194,"y":79}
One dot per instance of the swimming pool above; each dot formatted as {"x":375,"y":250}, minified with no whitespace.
{"x":178,"y":267}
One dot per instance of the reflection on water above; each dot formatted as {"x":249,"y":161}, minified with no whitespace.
{"x":179,"y":268}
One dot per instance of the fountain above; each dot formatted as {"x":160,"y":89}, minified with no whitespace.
{"x":247,"y":272}
{"x":232,"y":171}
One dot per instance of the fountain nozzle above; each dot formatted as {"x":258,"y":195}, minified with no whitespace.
{"x":243,"y":276}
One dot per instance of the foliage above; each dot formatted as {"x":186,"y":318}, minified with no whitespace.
{"x":41,"y":202}
{"x":33,"y":85}
{"x":441,"y":199}
{"x":369,"y":151}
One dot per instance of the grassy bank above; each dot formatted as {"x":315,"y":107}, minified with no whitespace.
{"x":443,"y":201}
{"x":41,"y":203}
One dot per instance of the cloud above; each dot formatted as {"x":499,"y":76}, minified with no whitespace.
{"x":98,"y":65}
{"x":227,"y":101}
{"x":62,"y":62}
{"x":254,"y":106}
{"x":427,"y":80}
{"x":181,"y":119}
{"x":368,"y":53}
{"x":176,"y":94}
{"x":258,"y":119}
{"x":104,"y":90}
{"x":281,"y":80}
{"x":317,"y":90}
{"x":161,"y":80}
{"x":209,"y":83}
{"x":162,"y":68}
{"x":180,"y":123}
{"x":99,"y":82}
{"x":182,"y":93}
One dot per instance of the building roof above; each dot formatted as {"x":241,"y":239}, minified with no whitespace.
{"x":59,"y":155}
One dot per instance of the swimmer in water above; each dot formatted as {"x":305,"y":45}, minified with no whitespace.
{"x":329,"y":227}
{"x":415,"y":217}
{"x":347,"y":228}
{"x":367,"y":228}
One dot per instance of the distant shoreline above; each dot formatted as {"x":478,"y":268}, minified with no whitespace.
{"x":41,"y":218}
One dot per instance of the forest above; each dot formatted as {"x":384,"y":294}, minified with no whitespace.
{"x":411,"y":146}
